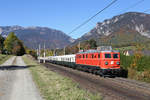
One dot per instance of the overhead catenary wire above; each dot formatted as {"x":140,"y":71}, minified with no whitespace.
{"x":132,"y":6}
{"x":93,"y":16}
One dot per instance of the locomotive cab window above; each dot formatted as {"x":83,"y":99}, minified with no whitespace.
{"x":107,"y":55}
{"x":115,"y":56}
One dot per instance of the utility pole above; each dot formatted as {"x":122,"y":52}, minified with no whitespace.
{"x":64,"y":50}
{"x":79,"y":46}
{"x":44,"y":54}
{"x":54,"y":53}
{"x":39,"y":52}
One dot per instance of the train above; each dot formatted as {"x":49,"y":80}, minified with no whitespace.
{"x":100,"y":62}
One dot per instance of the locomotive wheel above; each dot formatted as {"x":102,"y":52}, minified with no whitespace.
{"x":90,"y":70}
{"x":101,"y":73}
{"x":95,"y":72}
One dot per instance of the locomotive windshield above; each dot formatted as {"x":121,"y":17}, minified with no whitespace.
{"x":107,"y":55}
{"x":115,"y":56}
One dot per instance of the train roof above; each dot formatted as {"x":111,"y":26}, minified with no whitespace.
{"x":71,"y":55}
{"x":97,"y":51}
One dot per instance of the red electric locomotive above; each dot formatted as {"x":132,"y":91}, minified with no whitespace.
{"x":102,"y":62}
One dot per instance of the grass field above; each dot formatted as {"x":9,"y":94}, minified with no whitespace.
{"x":3,"y":58}
{"x":53,"y":86}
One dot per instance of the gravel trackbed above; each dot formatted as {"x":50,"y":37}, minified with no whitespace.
{"x":110,"y":88}
{"x":16,"y":82}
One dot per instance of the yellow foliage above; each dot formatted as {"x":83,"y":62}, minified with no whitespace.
{"x":132,"y":73}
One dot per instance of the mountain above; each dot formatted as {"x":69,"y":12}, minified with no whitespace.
{"x":33,"y":36}
{"x":128,"y":28}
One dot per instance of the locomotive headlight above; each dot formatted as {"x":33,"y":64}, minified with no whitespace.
{"x":106,"y":63}
{"x":118,"y":63}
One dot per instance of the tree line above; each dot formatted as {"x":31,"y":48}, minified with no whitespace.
{"x":11,"y":45}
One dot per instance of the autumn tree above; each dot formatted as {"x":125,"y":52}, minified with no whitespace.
{"x":13,"y":45}
{"x":92,"y":43}
{"x":32,"y":52}
{"x":89,"y":44}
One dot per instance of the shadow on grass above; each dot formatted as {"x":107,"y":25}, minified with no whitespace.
{"x":124,"y":73}
{"x":13,"y":67}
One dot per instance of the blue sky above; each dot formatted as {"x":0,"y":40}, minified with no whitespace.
{"x":63,"y":15}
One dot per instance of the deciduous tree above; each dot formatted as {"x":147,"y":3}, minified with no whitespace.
{"x":13,"y":45}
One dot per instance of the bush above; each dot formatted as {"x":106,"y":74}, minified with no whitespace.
{"x":126,"y":61}
{"x":143,"y":63}
{"x":137,"y":66}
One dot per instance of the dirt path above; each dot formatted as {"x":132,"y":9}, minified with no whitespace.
{"x":16,"y":82}
{"x":110,"y":88}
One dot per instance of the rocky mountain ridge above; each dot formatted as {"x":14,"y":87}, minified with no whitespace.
{"x":131,"y":23}
{"x":33,"y":36}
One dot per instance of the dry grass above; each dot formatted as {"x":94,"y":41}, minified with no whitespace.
{"x":3,"y":58}
{"x":56,"y":87}
{"x":139,"y":75}
{"x":132,"y":73}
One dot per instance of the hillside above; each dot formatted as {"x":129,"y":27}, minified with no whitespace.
{"x":131,"y":27}
{"x":33,"y":36}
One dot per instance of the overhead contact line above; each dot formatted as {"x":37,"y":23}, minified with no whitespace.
{"x":93,"y":16}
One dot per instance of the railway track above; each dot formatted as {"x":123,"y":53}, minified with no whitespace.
{"x":109,"y":88}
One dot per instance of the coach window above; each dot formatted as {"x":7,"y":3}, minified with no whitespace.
{"x":86,"y":56}
{"x":98,"y":55}
{"x":83,"y":55}
{"x":92,"y":55}
{"x":107,"y":55}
